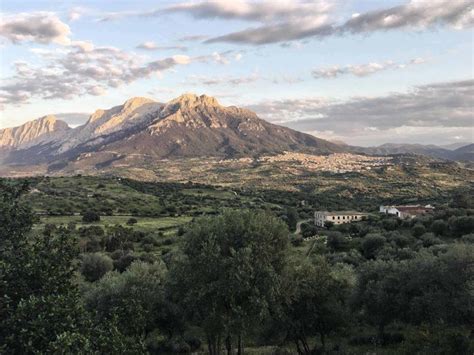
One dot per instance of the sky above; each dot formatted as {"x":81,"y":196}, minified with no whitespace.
{"x":365,"y":72}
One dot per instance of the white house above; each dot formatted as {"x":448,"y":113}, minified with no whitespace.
{"x":337,"y":217}
{"x":407,"y":211}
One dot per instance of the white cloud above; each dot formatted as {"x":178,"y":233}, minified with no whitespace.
{"x":76,"y":13}
{"x":198,"y":80}
{"x":80,"y":69}
{"x":152,"y":46}
{"x":284,"y":21}
{"x":39,"y":27}
{"x":423,"y":111}
{"x":316,"y":19}
{"x":362,"y":70}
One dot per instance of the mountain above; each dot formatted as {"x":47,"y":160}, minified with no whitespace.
{"x":32,"y":132}
{"x":433,"y":151}
{"x":454,"y":146}
{"x":465,"y":153}
{"x":142,"y":131}
{"x":195,"y":126}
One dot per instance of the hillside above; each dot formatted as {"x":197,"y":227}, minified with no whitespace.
{"x":434,"y":151}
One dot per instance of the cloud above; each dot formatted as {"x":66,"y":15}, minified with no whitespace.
{"x":223,"y":80}
{"x":249,"y":11}
{"x":447,"y":105}
{"x":39,"y":27}
{"x":362,"y":70}
{"x":193,"y":38}
{"x":315,"y":21}
{"x":416,"y":14}
{"x":152,"y":46}
{"x":73,"y":119}
{"x":224,"y":58}
{"x":80,"y":70}
{"x":285,"y":21}
{"x":76,"y":13}
{"x":282,"y":32}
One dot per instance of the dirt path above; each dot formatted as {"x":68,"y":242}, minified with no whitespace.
{"x":298,"y":225}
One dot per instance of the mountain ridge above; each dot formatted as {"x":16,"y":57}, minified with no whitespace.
{"x":142,"y":131}
{"x":187,"y":126}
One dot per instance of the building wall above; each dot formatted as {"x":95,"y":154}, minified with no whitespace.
{"x":320,"y":218}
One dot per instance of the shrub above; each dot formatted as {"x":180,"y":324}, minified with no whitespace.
{"x":371,"y":244}
{"x":336,"y":241}
{"x":94,"y":266}
{"x":439,"y":227}
{"x":90,"y":217}
{"x":131,"y":221}
{"x":468,"y":238}
{"x":123,"y":262}
{"x":418,"y":230}
{"x":296,"y":241}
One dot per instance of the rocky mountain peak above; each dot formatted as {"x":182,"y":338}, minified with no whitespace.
{"x":136,"y":102}
{"x":32,"y":131}
{"x":188,"y":102}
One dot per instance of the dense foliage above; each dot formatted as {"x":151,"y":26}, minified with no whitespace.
{"x":230,"y":279}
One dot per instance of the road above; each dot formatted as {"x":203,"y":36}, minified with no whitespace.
{"x":298,"y":225}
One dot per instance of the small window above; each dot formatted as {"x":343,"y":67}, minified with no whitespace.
{"x":333,"y":217}
{"x":338,"y":217}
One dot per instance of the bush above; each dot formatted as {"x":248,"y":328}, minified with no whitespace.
{"x":90,"y":217}
{"x":131,"y":221}
{"x":418,"y":230}
{"x":439,"y":227}
{"x":94,"y":266}
{"x":371,"y":244}
{"x":468,"y":238}
{"x":429,"y":240}
{"x":123,"y":262}
{"x":296,"y":241}
{"x":390,"y":224}
{"x":336,"y":241}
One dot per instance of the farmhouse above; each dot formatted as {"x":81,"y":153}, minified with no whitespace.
{"x":407,"y":211}
{"x":338,"y":217}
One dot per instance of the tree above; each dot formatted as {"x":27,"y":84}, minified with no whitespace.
{"x":40,"y":307}
{"x":229,"y":275}
{"x":439,"y":227}
{"x":371,"y":244}
{"x":135,"y":298}
{"x":291,"y":218}
{"x":90,"y":217}
{"x":463,"y":225}
{"x":426,"y":289}
{"x":315,"y":303}
{"x":336,"y":241}
{"x":378,"y":283}
{"x":418,"y":230}
{"x":94,"y":266}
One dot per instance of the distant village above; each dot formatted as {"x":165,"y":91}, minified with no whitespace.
{"x":337,"y":162}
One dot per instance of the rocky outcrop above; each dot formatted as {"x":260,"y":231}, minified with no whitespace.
{"x":35,"y":131}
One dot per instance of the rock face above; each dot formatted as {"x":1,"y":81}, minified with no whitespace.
{"x":194,"y":126}
{"x":134,"y":112}
{"x":188,"y":126}
{"x":36,"y":131}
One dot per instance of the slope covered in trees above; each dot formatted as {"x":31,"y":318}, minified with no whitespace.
{"x":234,"y":280}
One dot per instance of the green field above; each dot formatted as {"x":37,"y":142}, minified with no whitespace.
{"x":146,"y":224}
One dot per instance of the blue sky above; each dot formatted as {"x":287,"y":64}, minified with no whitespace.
{"x":366,"y":72}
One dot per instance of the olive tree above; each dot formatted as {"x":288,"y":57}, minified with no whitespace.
{"x":230,"y":273}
